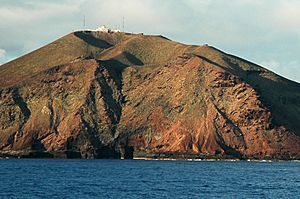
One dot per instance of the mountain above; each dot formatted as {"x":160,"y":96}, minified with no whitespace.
{"x":92,"y":94}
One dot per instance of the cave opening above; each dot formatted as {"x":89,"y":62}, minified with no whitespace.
{"x":128,"y":152}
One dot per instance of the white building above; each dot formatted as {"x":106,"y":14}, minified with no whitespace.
{"x":105,"y":29}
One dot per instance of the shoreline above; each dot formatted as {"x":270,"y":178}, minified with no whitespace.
{"x":65,"y":155}
{"x":161,"y":159}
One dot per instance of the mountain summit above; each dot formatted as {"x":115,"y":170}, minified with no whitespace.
{"x":95,"y":94}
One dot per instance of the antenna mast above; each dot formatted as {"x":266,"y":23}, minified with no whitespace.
{"x":83,"y":21}
{"x":123,"y":24}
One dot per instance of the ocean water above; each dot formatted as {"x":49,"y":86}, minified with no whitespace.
{"x":40,"y":178}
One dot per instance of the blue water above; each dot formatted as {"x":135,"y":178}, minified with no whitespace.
{"x":34,"y":178}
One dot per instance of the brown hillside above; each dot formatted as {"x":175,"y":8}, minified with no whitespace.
{"x":107,"y":95}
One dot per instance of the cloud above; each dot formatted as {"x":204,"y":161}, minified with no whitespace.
{"x":35,"y":12}
{"x":27,"y":26}
{"x":253,"y":29}
{"x":286,"y":15}
{"x":288,"y":69}
{"x":2,"y":53}
{"x":272,"y":64}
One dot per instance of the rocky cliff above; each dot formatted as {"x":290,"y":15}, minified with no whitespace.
{"x":112,"y":95}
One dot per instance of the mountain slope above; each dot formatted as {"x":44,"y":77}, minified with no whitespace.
{"x":107,"y":95}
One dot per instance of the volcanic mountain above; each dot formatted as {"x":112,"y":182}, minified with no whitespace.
{"x":93,"y":94}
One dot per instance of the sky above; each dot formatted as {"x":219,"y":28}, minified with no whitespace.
{"x":266,"y":32}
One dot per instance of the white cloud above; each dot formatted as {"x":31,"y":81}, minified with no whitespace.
{"x":35,"y":12}
{"x":2,"y":53}
{"x":271,"y":64}
{"x":253,"y":29}
{"x":288,"y":69}
{"x":286,"y":15}
{"x":27,"y":26}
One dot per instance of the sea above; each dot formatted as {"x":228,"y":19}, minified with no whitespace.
{"x":57,"y":178}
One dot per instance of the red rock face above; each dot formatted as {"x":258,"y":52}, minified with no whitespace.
{"x":204,"y":109}
{"x":146,"y":96}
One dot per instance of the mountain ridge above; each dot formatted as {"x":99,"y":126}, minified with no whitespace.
{"x":106,"y":95}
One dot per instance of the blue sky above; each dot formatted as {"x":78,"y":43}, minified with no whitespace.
{"x":266,"y":32}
